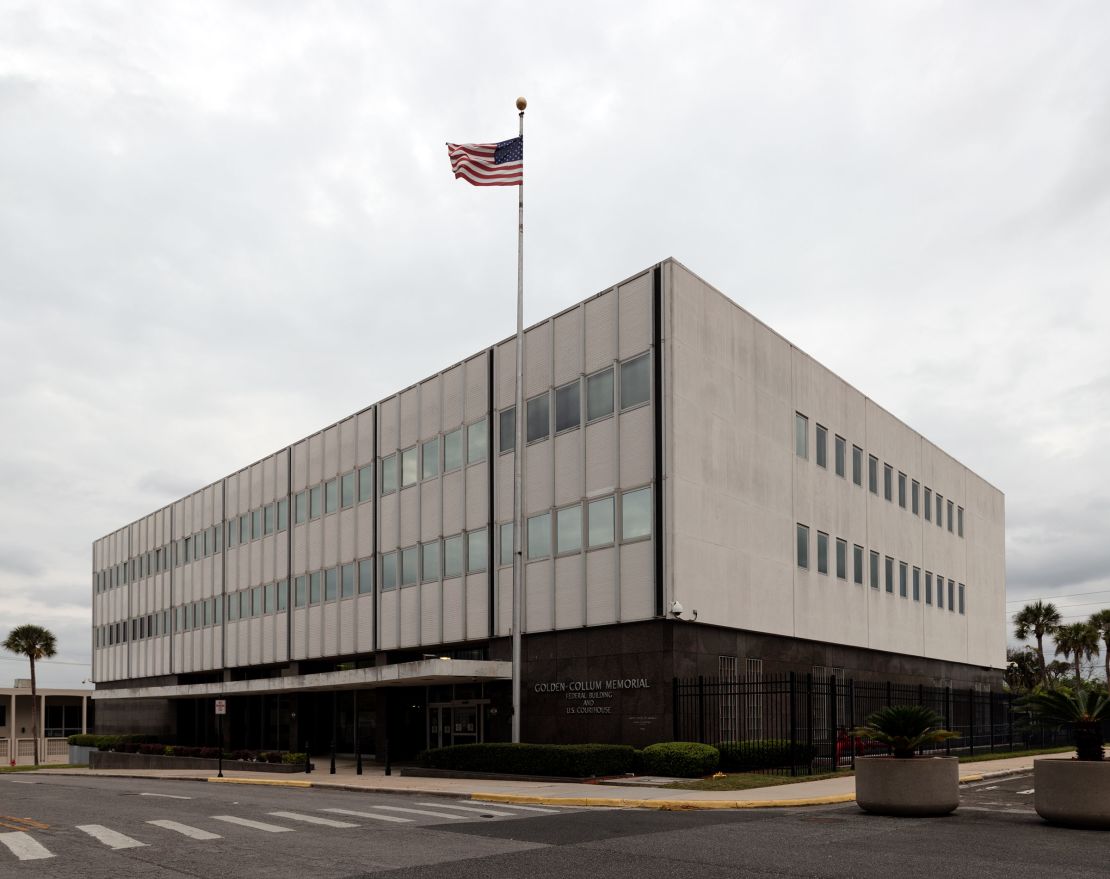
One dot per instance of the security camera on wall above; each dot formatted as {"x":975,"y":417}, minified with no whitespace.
{"x":676,"y":610}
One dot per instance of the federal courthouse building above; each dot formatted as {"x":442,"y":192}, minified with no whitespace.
{"x":680,"y":455}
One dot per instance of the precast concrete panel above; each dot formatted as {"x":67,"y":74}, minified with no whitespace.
{"x":365,"y":433}
{"x":409,"y":602}
{"x":477,"y":495}
{"x":637,"y":581}
{"x":453,"y":502}
{"x":410,"y":515}
{"x":537,"y":360}
{"x":636,"y":446}
{"x":409,"y":417}
{"x":347,"y":444}
{"x":504,"y":601}
{"x":300,"y":466}
{"x":331,"y":452}
{"x":390,"y":532}
{"x":569,"y":484}
{"x":315,"y":544}
{"x":539,"y":469}
{"x":601,"y":457}
{"x":539,"y":600}
{"x":503,"y":490}
{"x":431,"y":510}
{"x":601,"y":331}
{"x":452,"y":382}
{"x":330,"y":527}
{"x":256,"y":471}
{"x":315,"y":467}
{"x":431,"y":613}
{"x":347,"y":617}
{"x":634,"y":315}
{"x":364,"y":533}
{"x":568,"y":346}
{"x":300,"y":633}
{"x":477,"y":606}
{"x":331,"y":628}
{"x":347,"y":547}
{"x":315,"y":626}
{"x":601,"y":597}
{"x":365,"y":605}
{"x":505,"y":375}
{"x":570,"y":592}
{"x":390,"y":604}
{"x":477,"y":388}
{"x":269,"y":479}
{"x":431,"y":417}
{"x":453,"y":621}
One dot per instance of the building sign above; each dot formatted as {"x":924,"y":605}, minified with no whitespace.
{"x":591,"y":696}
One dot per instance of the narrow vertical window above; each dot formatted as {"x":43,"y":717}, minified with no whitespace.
{"x":822,"y":553}
{"x":822,"y":446}
{"x":842,"y":559}
{"x":636,"y":514}
{"x":389,"y":571}
{"x":568,"y":528}
{"x":389,"y":474}
{"x":331,"y":584}
{"x":271,"y":598}
{"x":903,"y":577}
{"x":452,"y":450}
{"x":888,"y":482}
{"x":365,"y":576}
{"x":803,"y":546}
{"x":840,"y":449}
{"x":283,"y":514}
{"x":873,"y":474}
{"x":268,"y":519}
{"x":410,"y":565}
{"x":890,"y":575}
{"x":928,"y":504}
{"x":347,"y":581}
{"x":801,"y":435}
{"x":453,"y":556}
{"x":300,"y":591}
{"x":951,"y":595}
{"x":283,"y":595}
{"x":477,"y":551}
{"x":961,"y":598}
{"x":902,"y":490}
{"x":857,"y":564}
{"x":506,"y":544}
{"x":599,"y":522}
{"x":960,"y":520}
{"x":256,"y":527}
{"x":315,"y":501}
{"x":506,"y":429}
{"x":300,"y":507}
{"x":857,"y":465}
{"x":940,"y":592}
{"x":539,"y":536}
{"x":950,"y":517}
{"x":365,"y":483}
{"x":874,"y":570}
{"x":917,"y":584}
{"x":929,"y":587}
{"x":429,"y":561}
{"x":915,"y":498}
{"x":940,"y":511}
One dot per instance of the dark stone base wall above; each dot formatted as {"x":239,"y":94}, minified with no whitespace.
{"x":156,"y":717}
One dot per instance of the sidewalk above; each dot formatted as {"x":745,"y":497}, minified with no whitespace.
{"x":374,"y":780}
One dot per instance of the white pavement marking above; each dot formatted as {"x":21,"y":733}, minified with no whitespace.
{"x":110,"y":838}
{"x":422,"y":812}
{"x":470,"y":809}
{"x":15,"y":781}
{"x":1007,"y":811}
{"x":312,"y":819}
{"x":525,"y":808}
{"x":369,"y":815}
{"x":255,"y":825}
{"x":185,"y":829}
{"x":24,"y":846}
{"x":167,"y":796}
{"x":1023,"y":792}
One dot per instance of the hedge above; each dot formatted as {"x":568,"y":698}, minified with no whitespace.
{"x":680,"y":759}
{"x":104,"y":743}
{"x":764,"y":754}
{"x":564,"y":761}
{"x":137,"y":744}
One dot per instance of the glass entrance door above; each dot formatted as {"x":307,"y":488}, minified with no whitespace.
{"x":452,"y":724}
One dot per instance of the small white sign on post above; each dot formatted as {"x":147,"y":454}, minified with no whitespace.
{"x":221,"y":706}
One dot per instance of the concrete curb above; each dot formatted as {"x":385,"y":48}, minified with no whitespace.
{"x":661,"y":805}
{"x":262,"y":781}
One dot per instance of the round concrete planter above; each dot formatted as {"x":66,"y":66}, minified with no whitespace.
{"x":1075,"y":793}
{"x":917,"y":787}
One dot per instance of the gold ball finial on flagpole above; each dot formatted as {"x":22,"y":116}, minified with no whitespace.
{"x":521,"y":104}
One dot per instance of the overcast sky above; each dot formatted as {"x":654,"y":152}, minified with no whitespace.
{"x":225,"y":225}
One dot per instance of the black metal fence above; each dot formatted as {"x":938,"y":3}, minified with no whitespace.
{"x":798,"y":725}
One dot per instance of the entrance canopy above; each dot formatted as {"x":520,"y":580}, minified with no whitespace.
{"x":405,"y":674}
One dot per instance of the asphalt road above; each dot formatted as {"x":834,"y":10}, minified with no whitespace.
{"x":90,"y":828}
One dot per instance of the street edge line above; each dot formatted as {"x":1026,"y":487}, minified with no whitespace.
{"x":263,"y":781}
{"x":661,"y":805}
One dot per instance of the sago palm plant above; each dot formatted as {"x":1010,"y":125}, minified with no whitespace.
{"x":1083,"y":710}
{"x":905,"y":728}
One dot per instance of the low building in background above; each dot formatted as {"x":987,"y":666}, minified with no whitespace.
{"x":62,"y":713}
{"x":701,"y":498}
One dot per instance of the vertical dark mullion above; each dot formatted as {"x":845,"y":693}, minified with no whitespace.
{"x":491,"y":462}
{"x":657,"y":412}
{"x":375,"y":500}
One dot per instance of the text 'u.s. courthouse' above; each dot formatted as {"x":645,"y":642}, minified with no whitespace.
{"x":678,"y":450}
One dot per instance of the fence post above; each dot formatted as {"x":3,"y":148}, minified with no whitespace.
{"x":701,"y":709}
{"x":990,"y":696}
{"x":851,"y":722}
{"x":889,"y":701}
{"x":971,"y":720}
{"x":1010,"y":717}
{"x":948,"y":718}
{"x":809,"y":712}
{"x":834,"y":721}
{"x":793,"y":724}
{"x":674,"y":710}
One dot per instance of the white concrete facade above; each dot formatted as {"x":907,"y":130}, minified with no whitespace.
{"x":396,"y":553}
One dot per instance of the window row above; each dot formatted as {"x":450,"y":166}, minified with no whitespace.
{"x":590,"y":524}
{"x":440,"y":454}
{"x":567,"y":407}
{"x":883,"y":571}
{"x":908,"y":490}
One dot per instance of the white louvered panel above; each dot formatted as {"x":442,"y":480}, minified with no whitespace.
{"x":202,"y":649}
{"x":431,"y":612}
{"x":267,"y":558}
{"x":347,"y":534}
{"x":281,"y":473}
{"x":269,"y":480}
{"x":256,"y":485}
{"x":601,"y":343}
{"x":243,"y":642}
{"x":600,"y":598}
{"x":429,"y":408}
{"x":300,"y":633}
{"x":568,"y":346}
{"x":389,"y":508}
{"x":178,"y":664}
{"x":331,"y":629}
{"x":505,"y":374}
{"x":538,"y":491}
{"x":267,"y":639}
{"x":242,"y":566}
{"x":635,"y":315}
{"x":503,"y":497}
{"x":346,"y":445}
{"x":300,"y":549}
{"x":390,"y":602}
{"x":409,"y":417}
{"x":330,"y":527}
{"x":165,"y":667}
{"x":637,"y":440}
{"x":232,"y":643}
{"x":452,"y":610}
{"x":410,"y":515}
{"x":410,"y":616}
{"x":346,"y":626}
{"x":477,"y":495}
{"x":568,"y":467}
{"x":570,"y":611}
{"x":477,"y":387}
{"x":365,"y":448}
{"x":300,"y":465}
{"x":537,"y":359}
{"x":637,"y":582}
{"x":281,"y":562}
{"x":365,"y":604}
{"x":331,"y":452}
{"x":505,"y":600}
{"x":315,"y":469}
{"x":255,"y":551}
{"x":388,"y":415}
{"x":255,"y":640}
{"x":477,"y":606}
{"x":315,"y":544}
{"x":281,"y":640}
{"x":430,"y":510}
{"x":364,"y":530}
{"x":452,"y":502}
{"x":538,"y":602}
{"x":314,"y":624}
{"x":186,"y":653}
{"x":601,"y":457}
{"x":452,"y":398}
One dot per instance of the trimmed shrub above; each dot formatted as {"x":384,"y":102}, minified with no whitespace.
{"x":106,"y":743}
{"x":764,"y":754}
{"x":210,"y":753}
{"x":562,"y":761}
{"x":247,"y":756}
{"x":293,"y":757}
{"x":681,"y":759}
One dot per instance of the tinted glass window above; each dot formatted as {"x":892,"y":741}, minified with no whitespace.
{"x":568,"y":529}
{"x":452,"y":450}
{"x":539,"y":536}
{"x":476,"y":551}
{"x":453,"y":556}
{"x":389,"y":571}
{"x":410,"y":466}
{"x":636,"y":514}
{"x":567,"y":407}
{"x":477,"y":440}
{"x":599,"y":394}
{"x":347,"y":490}
{"x":429,"y":564}
{"x":600,"y":521}
{"x":507,"y":431}
{"x":429,"y":459}
{"x":635,"y":381}
{"x":539,"y":419}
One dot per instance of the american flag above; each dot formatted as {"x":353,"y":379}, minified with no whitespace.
{"x":489,"y":164}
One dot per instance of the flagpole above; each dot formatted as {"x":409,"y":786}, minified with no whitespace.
{"x":518,"y":451}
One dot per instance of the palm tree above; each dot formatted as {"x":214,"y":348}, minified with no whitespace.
{"x":1077,"y":640}
{"x":34,"y":642}
{"x":1039,"y":619}
{"x":1101,"y":622}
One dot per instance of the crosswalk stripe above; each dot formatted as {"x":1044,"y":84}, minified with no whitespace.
{"x":24,"y":846}
{"x":1026,"y":791}
{"x":421,"y":812}
{"x":167,"y":796}
{"x":312,"y":819}
{"x":369,"y":815}
{"x":110,"y":838}
{"x":525,"y":808}
{"x":469,"y":809}
{"x":185,"y":829}
{"x":255,"y":825}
